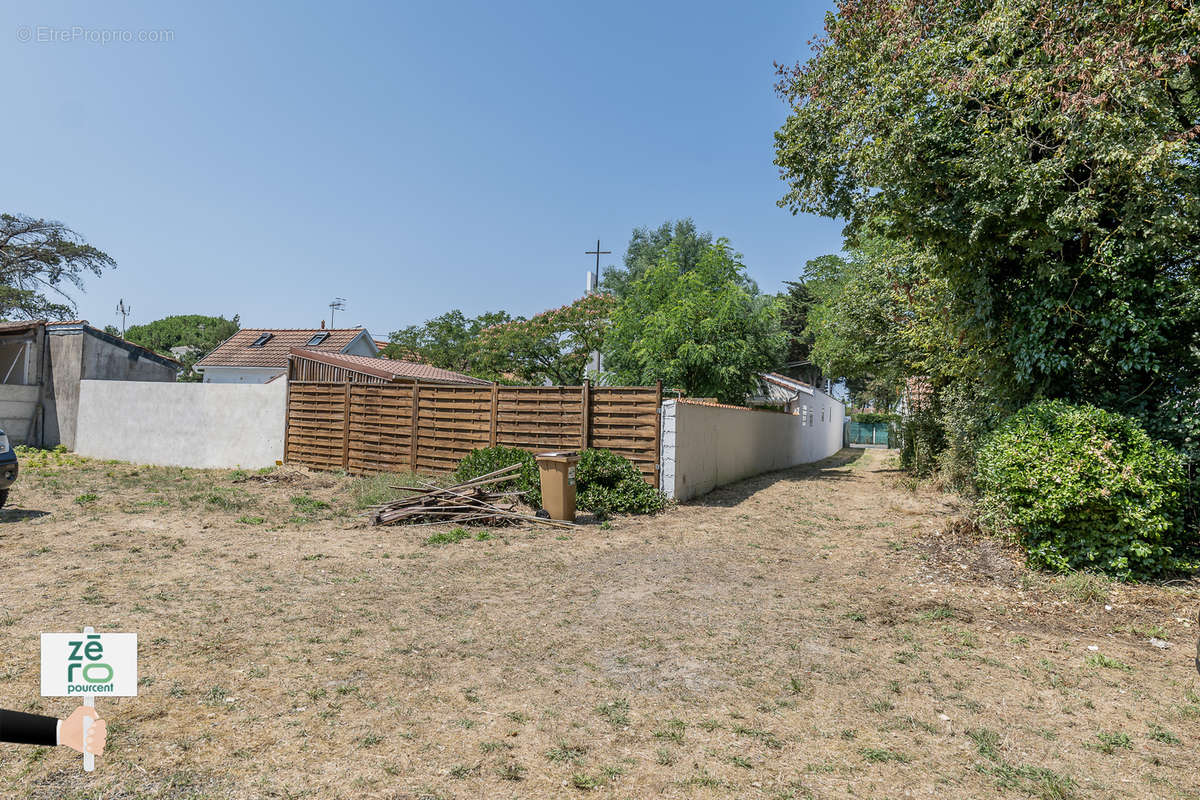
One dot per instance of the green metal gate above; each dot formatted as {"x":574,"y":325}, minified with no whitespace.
{"x":878,"y":433}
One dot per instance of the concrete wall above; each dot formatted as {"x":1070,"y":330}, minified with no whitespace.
{"x":241,"y":374}
{"x":19,"y":412}
{"x":21,"y":396}
{"x":108,"y":358}
{"x":80,"y":352}
{"x":706,"y":446}
{"x":62,"y":376}
{"x":182,"y":424}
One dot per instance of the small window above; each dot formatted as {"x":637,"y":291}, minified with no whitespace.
{"x":318,"y":338}
{"x":262,"y":339}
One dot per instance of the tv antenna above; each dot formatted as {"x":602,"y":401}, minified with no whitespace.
{"x":124,"y":311}
{"x":338,"y":304}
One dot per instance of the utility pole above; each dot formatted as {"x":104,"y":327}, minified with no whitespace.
{"x":338,"y":304}
{"x":124,"y":311}
{"x":597,"y":253}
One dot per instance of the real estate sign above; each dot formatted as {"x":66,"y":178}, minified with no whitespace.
{"x":97,"y":664}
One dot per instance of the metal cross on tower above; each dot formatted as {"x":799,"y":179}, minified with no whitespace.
{"x":597,"y":253}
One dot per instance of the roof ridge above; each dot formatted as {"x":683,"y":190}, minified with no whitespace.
{"x":342,"y":330}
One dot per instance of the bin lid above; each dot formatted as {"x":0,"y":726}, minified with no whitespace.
{"x":557,"y":454}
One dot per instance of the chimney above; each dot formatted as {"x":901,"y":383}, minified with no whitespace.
{"x":322,"y":324}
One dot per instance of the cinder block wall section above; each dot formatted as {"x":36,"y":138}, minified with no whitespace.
{"x":19,"y":413}
{"x":182,"y":424}
{"x":705,"y":446}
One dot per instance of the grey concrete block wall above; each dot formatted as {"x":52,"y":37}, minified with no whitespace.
{"x":707,"y":446}
{"x":80,"y":352}
{"x":218,"y":425}
{"x":62,"y":377}
{"x":19,"y":412}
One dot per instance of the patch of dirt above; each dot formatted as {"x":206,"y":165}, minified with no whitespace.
{"x":300,"y":477}
{"x":817,"y":632}
{"x":961,"y":552}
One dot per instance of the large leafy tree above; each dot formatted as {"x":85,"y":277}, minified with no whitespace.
{"x":551,"y":347}
{"x":39,"y":260}
{"x":678,"y":240}
{"x":1043,"y":158}
{"x":796,"y":306}
{"x":701,"y":331}
{"x":447,"y":341}
{"x":187,"y":337}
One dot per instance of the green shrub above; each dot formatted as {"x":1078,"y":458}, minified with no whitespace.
{"x":489,"y":459}
{"x":968,"y":413}
{"x":1086,"y":489}
{"x":922,"y":438}
{"x":605,"y":482}
{"x":608,"y":483}
{"x":873,"y":418}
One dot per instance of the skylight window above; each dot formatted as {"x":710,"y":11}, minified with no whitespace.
{"x":262,"y":339}
{"x":318,"y":338}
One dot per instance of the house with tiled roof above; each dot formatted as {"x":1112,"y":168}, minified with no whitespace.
{"x":779,"y":391}
{"x":258,"y":355}
{"x":311,"y":365}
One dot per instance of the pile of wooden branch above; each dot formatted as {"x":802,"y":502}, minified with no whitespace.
{"x":463,"y":502}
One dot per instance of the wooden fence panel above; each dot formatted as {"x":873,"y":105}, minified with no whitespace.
{"x":539,"y":417}
{"x":366,"y":428}
{"x":380,"y":428}
{"x":315,"y":421}
{"x":625,"y":420}
{"x":451,"y":422}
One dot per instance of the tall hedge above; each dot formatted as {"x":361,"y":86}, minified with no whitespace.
{"x":1086,"y":488}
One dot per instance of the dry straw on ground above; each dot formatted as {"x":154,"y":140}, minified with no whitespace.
{"x":812,"y":633}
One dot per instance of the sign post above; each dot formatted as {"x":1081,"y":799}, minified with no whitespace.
{"x":89,"y":664}
{"x":89,"y":759}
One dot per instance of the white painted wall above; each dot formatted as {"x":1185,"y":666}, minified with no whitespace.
{"x":240,"y":374}
{"x":182,"y":424}
{"x":706,"y":446}
{"x":361,"y":345}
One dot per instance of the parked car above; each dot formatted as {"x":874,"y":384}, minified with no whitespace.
{"x":8,"y":467}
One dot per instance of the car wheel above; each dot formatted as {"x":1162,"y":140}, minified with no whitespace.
{"x":3,"y":497}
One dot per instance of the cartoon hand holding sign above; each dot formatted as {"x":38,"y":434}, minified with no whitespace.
{"x":85,"y":665}
{"x":21,"y":728}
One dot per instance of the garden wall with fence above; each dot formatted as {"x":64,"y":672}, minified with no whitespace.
{"x":706,"y":445}
{"x":365,"y":428}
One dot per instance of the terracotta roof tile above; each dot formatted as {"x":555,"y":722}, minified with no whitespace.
{"x":388,"y":367}
{"x":21,"y":325}
{"x":237,"y":352}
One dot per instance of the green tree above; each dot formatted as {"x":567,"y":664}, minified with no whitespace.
{"x":700,"y":331}
{"x":448,"y":341}
{"x":553,"y":346}
{"x":856,"y":322}
{"x":38,"y":258}
{"x":197,"y":334}
{"x":676,"y":240}
{"x":1045,"y":161}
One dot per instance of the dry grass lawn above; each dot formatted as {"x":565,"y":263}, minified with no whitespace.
{"x":822,"y":632}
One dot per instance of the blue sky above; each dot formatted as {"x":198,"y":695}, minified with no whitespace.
{"x":411,"y":158}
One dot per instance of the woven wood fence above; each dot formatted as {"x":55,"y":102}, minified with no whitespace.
{"x":364,"y":428}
